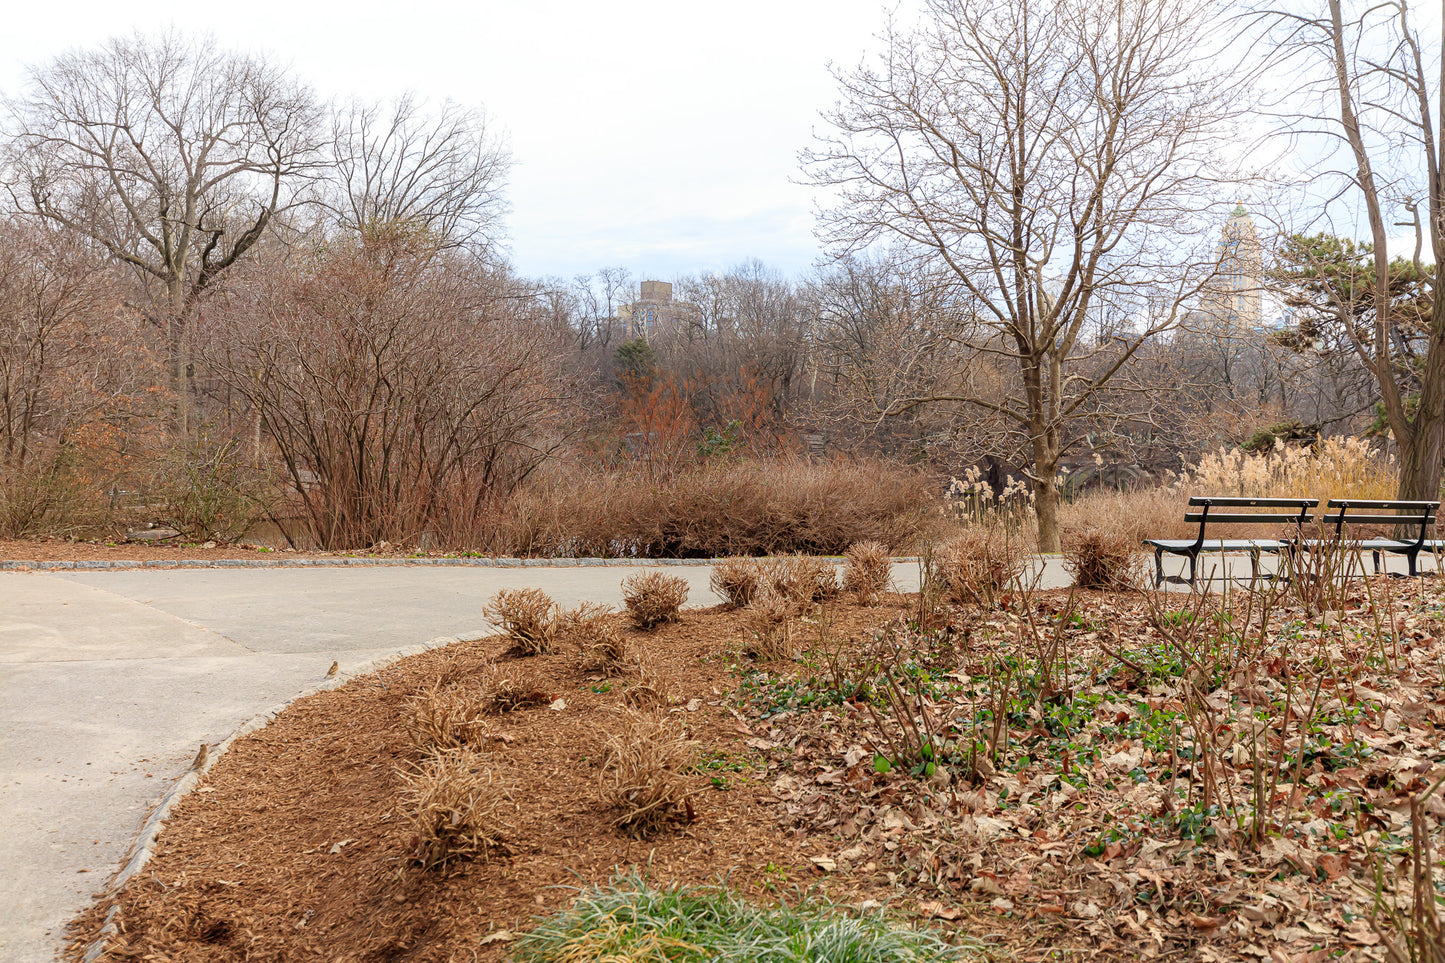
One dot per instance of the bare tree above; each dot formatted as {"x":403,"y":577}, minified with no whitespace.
{"x":1050,"y":162}
{"x":76,"y":369}
{"x":442,"y":169}
{"x":169,"y":153}
{"x":1378,"y":78}
{"x":60,"y":368}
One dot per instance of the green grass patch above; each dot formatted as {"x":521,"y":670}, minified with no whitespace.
{"x":629,"y":921}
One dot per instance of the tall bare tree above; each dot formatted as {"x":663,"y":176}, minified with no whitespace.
{"x":1048,"y":161}
{"x":439,"y":168}
{"x":1378,"y":138}
{"x":171,"y":154}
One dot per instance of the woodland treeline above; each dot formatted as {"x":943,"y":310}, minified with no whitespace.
{"x":223,"y":300}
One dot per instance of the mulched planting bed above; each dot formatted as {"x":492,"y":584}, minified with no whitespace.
{"x":1106,"y":775}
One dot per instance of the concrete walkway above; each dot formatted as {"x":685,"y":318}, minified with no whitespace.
{"x":111,"y":679}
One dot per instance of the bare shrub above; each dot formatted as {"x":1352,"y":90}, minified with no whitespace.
{"x":733,"y":507}
{"x":206,"y":490}
{"x":653,"y":598}
{"x":736,"y":580}
{"x":1102,"y":559}
{"x":451,"y":808}
{"x":49,"y":496}
{"x":501,"y":690}
{"x":460,"y":385}
{"x":867,"y":570}
{"x":586,"y":616}
{"x":643,"y":774}
{"x":978,"y":564}
{"x":603,"y":647}
{"x":445,"y":718}
{"x":647,"y":691}
{"x":800,"y":579}
{"x":769,"y":620}
{"x":527,"y":617}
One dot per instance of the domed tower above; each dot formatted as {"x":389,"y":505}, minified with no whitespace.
{"x":1231,"y":296}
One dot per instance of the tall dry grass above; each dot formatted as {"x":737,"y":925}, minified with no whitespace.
{"x":1336,"y":468}
{"x":735,"y":508}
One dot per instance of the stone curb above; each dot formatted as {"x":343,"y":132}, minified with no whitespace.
{"x":144,"y":846}
{"x":18,"y":565}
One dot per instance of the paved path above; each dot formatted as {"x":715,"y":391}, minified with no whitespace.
{"x":110,"y":680}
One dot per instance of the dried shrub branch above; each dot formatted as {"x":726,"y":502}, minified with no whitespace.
{"x":451,"y":808}
{"x":527,"y":617}
{"x":867,"y":571}
{"x":653,"y":598}
{"x":643,"y":775}
{"x":736,"y":580}
{"x":445,"y":718}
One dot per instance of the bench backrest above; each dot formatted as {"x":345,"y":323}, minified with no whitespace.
{"x":1294,"y":510}
{"x":1298,"y":509}
{"x":1371,"y":511}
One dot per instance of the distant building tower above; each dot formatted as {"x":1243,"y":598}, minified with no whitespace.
{"x":654,"y":313}
{"x":1232,"y":295}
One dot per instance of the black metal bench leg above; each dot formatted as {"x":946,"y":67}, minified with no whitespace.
{"x":1193,"y":557}
{"x":1158,"y":567}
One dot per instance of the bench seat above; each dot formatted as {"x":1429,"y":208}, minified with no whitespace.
{"x":1179,"y":546}
{"x":1292,"y":511}
{"x":1410,"y":513}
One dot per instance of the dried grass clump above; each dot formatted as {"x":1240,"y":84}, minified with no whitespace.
{"x":592,"y":629}
{"x":642,"y":776}
{"x":527,"y":617}
{"x":505,"y":691}
{"x":584,"y":618}
{"x":647,"y":691}
{"x":736,"y":580}
{"x":977,"y":565}
{"x":867,"y":571}
{"x":445,"y":717}
{"x":769,"y":620}
{"x":653,"y":598}
{"x":800,"y":579}
{"x":1103,"y":559}
{"x":451,"y":808}
{"x":603,"y":648}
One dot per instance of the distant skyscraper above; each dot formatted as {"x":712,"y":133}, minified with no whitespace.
{"x":656,"y":313}
{"x":1232,"y":295}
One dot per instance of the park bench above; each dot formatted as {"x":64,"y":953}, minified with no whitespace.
{"x":1298,"y":514}
{"x":1414,"y":518}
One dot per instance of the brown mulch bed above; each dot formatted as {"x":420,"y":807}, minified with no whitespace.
{"x":291,"y":847}
{"x":1120,"y":775}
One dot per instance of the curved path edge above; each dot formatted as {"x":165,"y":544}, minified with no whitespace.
{"x":143,"y":848}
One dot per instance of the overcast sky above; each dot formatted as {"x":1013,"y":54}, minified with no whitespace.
{"x":659,"y":137}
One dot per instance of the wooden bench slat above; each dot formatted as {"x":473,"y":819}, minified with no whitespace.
{"x":1380,"y":503}
{"x":1196,"y":517}
{"x":1377,"y":519}
{"x":1229,"y":501}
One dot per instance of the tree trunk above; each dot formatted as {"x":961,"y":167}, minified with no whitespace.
{"x":1046,"y":491}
